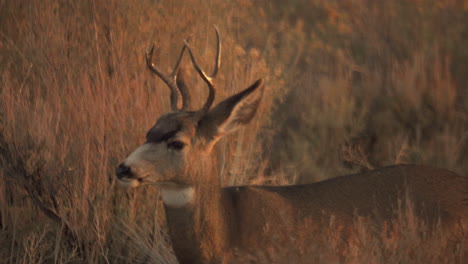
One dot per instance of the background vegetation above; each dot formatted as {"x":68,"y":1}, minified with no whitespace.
{"x":351,"y":85}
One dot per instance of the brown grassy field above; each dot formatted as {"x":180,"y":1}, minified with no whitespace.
{"x":351,"y":85}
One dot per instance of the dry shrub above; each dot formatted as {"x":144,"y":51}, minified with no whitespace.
{"x":381,"y":82}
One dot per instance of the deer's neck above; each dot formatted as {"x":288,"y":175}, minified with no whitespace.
{"x":197,"y":217}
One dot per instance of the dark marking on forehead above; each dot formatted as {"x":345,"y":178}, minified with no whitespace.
{"x":156,"y":137}
{"x":166,"y":127}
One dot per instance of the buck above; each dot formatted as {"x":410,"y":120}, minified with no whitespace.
{"x":208,"y":222}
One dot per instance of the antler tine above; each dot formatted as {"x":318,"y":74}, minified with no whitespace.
{"x":207,"y":78}
{"x":177,"y":65}
{"x":218,"y":53}
{"x":177,"y":99}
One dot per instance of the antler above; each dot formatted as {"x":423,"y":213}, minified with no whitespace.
{"x":178,"y":100}
{"x":207,"y":78}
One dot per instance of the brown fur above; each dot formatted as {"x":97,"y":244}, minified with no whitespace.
{"x":249,"y":218}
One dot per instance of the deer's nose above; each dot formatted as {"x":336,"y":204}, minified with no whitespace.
{"x":122,"y":171}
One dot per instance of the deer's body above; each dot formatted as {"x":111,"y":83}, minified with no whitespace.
{"x":239,"y":217}
{"x":209,"y":223}
{"x":375,"y":194}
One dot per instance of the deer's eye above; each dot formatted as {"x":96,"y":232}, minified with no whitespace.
{"x":176,"y":145}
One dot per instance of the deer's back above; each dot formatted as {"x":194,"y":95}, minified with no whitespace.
{"x":380,"y":194}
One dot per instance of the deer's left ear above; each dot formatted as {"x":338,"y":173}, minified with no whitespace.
{"x":232,"y":113}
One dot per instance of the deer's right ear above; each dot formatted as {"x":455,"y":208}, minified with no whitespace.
{"x":232,"y":113}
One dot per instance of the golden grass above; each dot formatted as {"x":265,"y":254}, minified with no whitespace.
{"x":75,"y":98}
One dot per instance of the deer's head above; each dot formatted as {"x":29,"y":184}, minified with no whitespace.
{"x":181,"y":135}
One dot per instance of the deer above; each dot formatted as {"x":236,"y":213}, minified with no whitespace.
{"x":208,"y":222}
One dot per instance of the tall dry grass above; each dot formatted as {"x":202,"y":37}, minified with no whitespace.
{"x":76,"y":98}
{"x":372,"y":83}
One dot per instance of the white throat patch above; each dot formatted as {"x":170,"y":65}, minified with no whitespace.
{"x":177,"y":197}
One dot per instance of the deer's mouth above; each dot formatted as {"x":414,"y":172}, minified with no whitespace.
{"x":130,"y":182}
{"x":130,"y":177}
